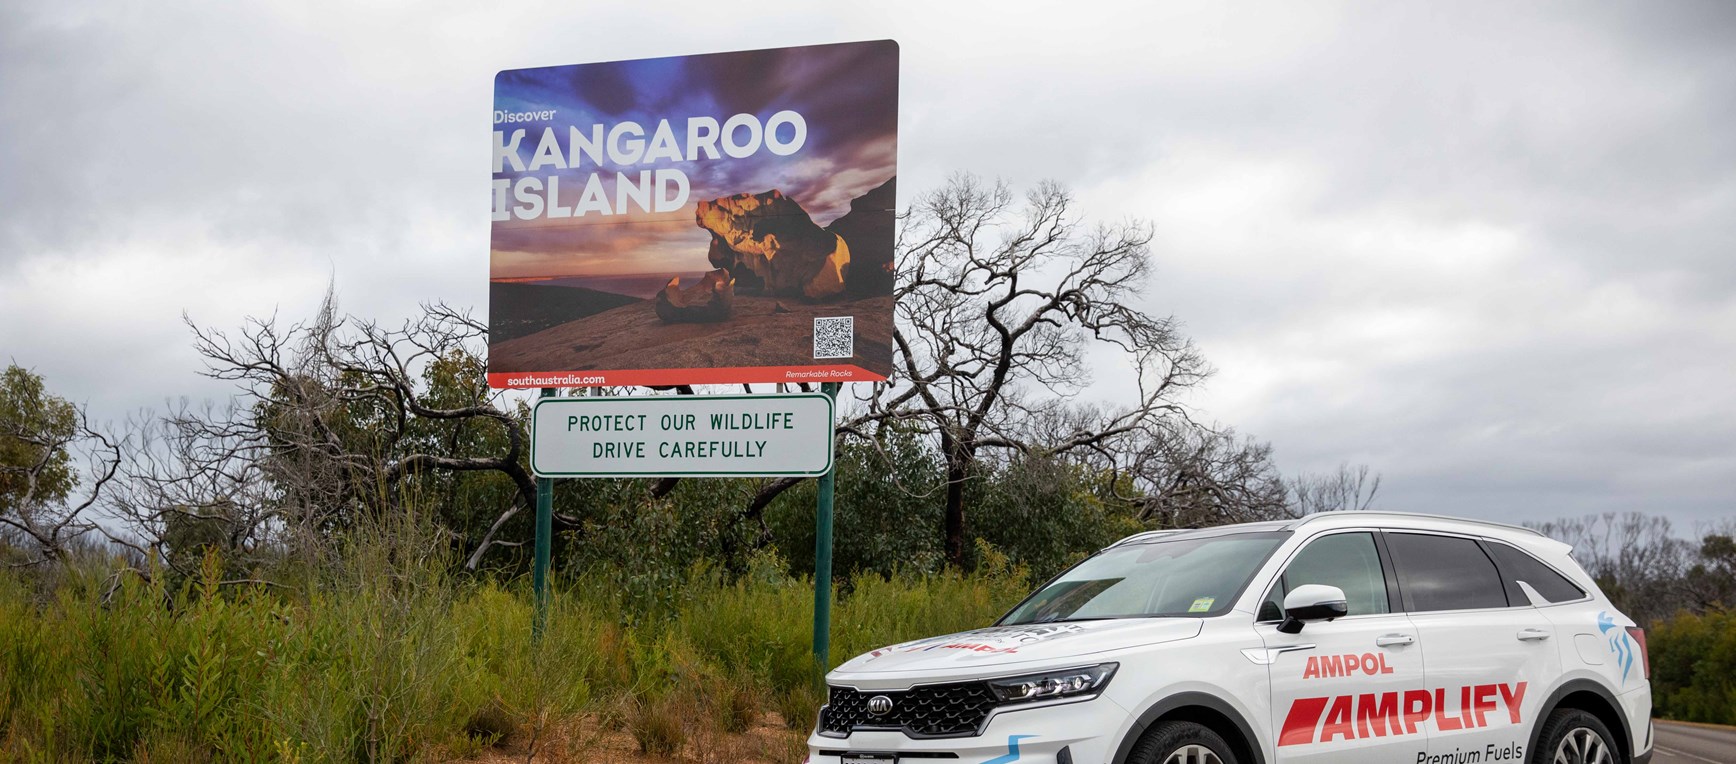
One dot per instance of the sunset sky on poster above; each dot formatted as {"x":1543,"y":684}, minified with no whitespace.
{"x":846,"y":97}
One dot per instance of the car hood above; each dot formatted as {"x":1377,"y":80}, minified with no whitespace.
{"x":986,"y":650}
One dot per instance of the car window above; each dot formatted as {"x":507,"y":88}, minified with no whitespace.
{"x":1179,"y":577}
{"x":1518,"y":566}
{"x":1345,"y":560}
{"x":1445,"y":573}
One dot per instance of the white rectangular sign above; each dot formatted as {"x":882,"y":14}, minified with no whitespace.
{"x":682,"y":436}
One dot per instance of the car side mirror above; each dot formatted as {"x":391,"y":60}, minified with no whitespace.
{"x":1312,"y":602}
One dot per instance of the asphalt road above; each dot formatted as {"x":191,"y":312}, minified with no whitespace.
{"x":1685,"y":744}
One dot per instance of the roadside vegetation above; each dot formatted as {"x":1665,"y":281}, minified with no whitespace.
{"x":386,"y":654}
{"x":333,"y":565}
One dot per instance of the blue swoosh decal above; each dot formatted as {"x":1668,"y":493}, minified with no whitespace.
{"x":1627,"y":655}
{"x":1012,"y":750}
{"x":1618,"y":643}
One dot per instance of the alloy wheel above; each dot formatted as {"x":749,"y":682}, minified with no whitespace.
{"x":1582,"y":746}
{"x":1193,"y":754}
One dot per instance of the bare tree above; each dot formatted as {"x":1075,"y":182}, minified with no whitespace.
{"x":42,"y":440}
{"x":1710,"y":581}
{"x":998,"y":307}
{"x":1348,"y":489}
{"x":1636,"y":558}
{"x":1196,"y":477}
{"x":333,"y":418}
{"x":193,"y":480}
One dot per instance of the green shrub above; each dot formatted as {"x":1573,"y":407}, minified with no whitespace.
{"x":799,"y":707}
{"x":1693,"y":661}
{"x":755,"y":627}
{"x":883,"y":611}
{"x":1046,"y":514}
{"x":656,"y":726}
{"x":491,"y":724}
{"x":736,"y":704}
{"x":887,"y":516}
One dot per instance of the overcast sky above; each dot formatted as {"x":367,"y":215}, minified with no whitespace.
{"x":1488,"y":249}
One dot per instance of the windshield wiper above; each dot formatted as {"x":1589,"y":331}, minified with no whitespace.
{"x":1071,"y":620}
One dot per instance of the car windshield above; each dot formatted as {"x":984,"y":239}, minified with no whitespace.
{"x":1176,"y":577}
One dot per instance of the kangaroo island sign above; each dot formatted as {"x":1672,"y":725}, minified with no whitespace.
{"x":712,"y":219}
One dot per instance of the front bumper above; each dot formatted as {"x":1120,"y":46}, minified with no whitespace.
{"x":1088,"y":729}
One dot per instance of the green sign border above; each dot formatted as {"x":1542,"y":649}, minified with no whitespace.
{"x":831,"y":447}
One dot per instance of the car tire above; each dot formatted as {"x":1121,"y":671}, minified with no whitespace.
{"x":1181,"y":743}
{"x":1573,"y":736}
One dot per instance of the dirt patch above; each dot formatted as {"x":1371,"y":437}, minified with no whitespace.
{"x":593,"y":742}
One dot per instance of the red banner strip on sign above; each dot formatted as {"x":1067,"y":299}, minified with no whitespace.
{"x":667,"y":377}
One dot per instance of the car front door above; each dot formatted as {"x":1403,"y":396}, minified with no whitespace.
{"x":1340,"y":688}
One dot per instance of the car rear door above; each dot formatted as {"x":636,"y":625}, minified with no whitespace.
{"x":1489,"y":658}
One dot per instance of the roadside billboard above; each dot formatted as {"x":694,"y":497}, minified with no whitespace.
{"x":711,"y":219}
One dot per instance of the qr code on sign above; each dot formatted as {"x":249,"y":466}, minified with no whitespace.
{"x":835,"y":337}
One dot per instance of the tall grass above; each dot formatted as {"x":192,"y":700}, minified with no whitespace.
{"x":387,"y":658}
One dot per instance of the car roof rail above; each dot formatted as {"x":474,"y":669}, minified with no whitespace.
{"x":1148,"y":535}
{"x":1299,"y":522}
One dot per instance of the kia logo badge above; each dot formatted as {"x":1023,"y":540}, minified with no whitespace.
{"x":879,"y":705}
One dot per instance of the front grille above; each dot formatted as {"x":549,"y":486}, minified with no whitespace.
{"x":940,"y":710}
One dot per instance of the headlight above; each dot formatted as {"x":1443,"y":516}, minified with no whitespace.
{"x":1053,"y":684}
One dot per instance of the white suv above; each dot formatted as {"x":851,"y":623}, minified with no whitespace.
{"x":1341,"y":637}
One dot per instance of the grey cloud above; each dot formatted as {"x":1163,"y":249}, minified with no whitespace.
{"x":1483,"y":247}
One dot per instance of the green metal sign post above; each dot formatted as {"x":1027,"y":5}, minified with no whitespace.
{"x":545,"y":527}
{"x":823,"y":559}
{"x":822,"y":549}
